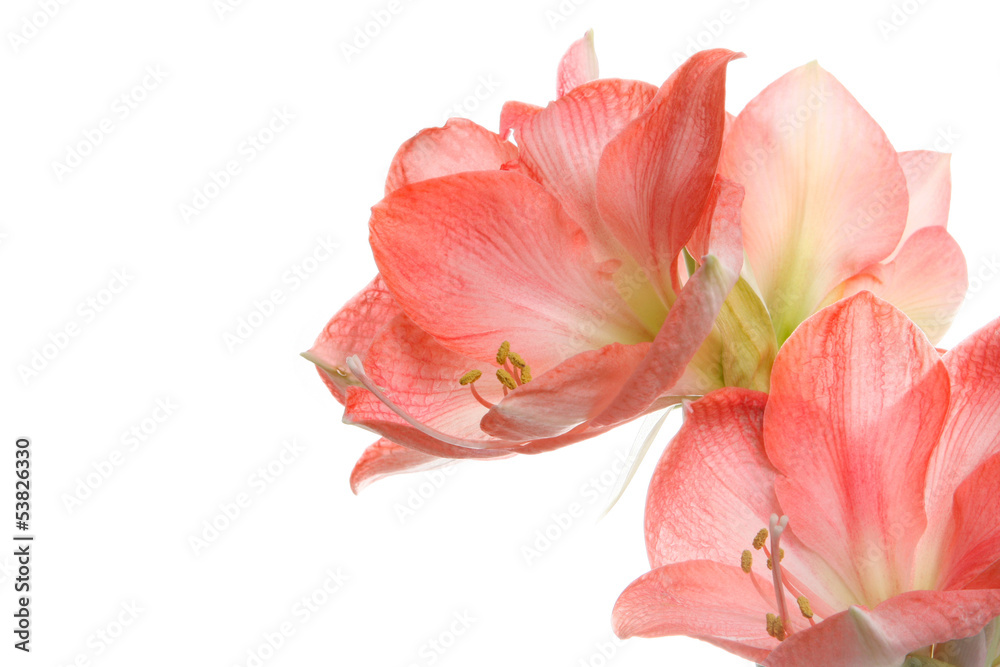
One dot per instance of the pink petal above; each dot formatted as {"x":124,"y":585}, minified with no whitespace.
{"x":350,"y":333}
{"x":713,"y":487}
{"x":928,"y":181}
{"x":702,"y":599}
{"x":578,"y":66}
{"x":587,"y":430}
{"x":385,"y":458}
{"x":927,"y":280}
{"x":825,"y":195}
{"x":422,"y":406}
{"x":884,"y":636}
{"x":975,"y":546}
{"x":712,"y":236}
{"x":514,"y":114}
{"x":858,"y":400}
{"x":655,"y":177}
{"x":972,"y":432}
{"x":565,"y":396}
{"x":561,"y":145}
{"x":713,"y":490}
{"x":688,"y":324}
{"x":459,"y":146}
{"x":482,"y":257}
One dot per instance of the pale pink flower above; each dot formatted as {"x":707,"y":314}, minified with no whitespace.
{"x":832,"y":209}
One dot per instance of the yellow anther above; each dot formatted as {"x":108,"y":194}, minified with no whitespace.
{"x":760,"y":539}
{"x":804,"y":606}
{"x":526,"y":375}
{"x":775,"y":627}
{"x":746,"y":561}
{"x":470,"y":377}
{"x":770,"y":564}
{"x":506,"y":379}
{"x":503,"y":352}
{"x":516,"y":359}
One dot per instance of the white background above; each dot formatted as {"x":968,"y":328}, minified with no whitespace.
{"x":190,"y":283}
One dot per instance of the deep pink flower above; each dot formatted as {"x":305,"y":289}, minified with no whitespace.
{"x":882,"y":458}
{"x":568,"y":246}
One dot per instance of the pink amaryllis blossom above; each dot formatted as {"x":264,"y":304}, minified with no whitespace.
{"x":851,"y":517}
{"x":529,"y":295}
{"x":832,"y":209}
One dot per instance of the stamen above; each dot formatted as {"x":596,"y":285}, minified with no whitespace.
{"x":482,"y":401}
{"x":760,"y":539}
{"x":804,"y":606}
{"x":358,"y":370}
{"x":516,"y":359}
{"x":526,"y":375}
{"x":746,"y":561}
{"x":470,"y":377}
{"x":506,"y":379}
{"x":503,"y":352}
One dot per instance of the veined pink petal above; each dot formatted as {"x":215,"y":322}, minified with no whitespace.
{"x":459,"y":146}
{"x":857,"y":404}
{"x":561,"y":145}
{"x":482,"y":257}
{"x":884,"y":636}
{"x":928,"y":181}
{"x":825,"y":194}
{"x":569,"y":394}
{"x":713,"y":490}
{"x":712,"y":235}
{"x":422,"y":405}
{"x":975,"y":546}
{"x":927,"y":280}
{"x":349,"y":333}
{"x":578,"y":66}
{"x":971,"y":434}
{"x":514,"y":114}
{"x":385,"y":458}
{"x":702,"y":599}
{"x":655,"y":177}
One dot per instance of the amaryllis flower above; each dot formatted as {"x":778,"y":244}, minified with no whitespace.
{"x":832,"y":209}
{"x":530,"y":296}
{"x":849,"y":518}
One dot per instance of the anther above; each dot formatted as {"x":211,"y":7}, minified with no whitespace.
{"x":804,"y":606}
{"x":775,"y":627}
{"x":503,"y":352}
{"x":746,"y":561}
{"x":516,"y":359}
{"x":506,"y":379}
{"x":526,"y":374}
{"x":760,"y":539}
{"x":470,"y":377}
